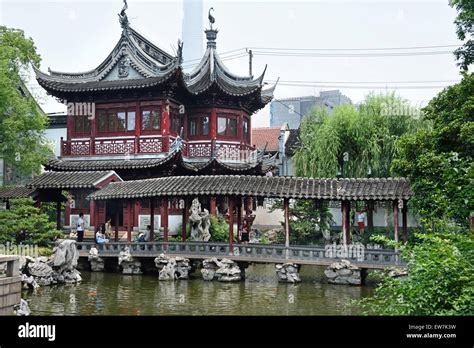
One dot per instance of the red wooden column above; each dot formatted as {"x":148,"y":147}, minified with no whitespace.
{"x":164,"y":218}
{"x":213,"y":124}
{"x":405,"y":221}
{"x":231,"y":225}
{"x":116,"y":224}
{"x":136,"y":212}
{"x":93,"y":214}
{"x":58,"y":215}
{"x":165,"y":126}
{"x":239,"y":217}
{"x":395,"y":220}
{"x":152,"y":219}
{"x":185,"y":220}
{"x":213,"y":205}
{"x":346,"y":237}
{"x":286,"y":209}
{"x":130,"y":221}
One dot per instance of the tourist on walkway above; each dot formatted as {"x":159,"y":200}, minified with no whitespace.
{"x":108,"y":227}
{"x":244,"y":233}
{"x":100,"y":237}
{"x":80,"y":227}
{"x":361,"y":222}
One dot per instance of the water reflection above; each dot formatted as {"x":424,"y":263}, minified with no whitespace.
{"x":259,"y":294}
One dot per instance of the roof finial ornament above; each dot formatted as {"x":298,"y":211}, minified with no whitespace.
{"x":211,"y":34}
{"x":179,"y":52}
{"x":123,"y":19}
{"x":212,"y":20}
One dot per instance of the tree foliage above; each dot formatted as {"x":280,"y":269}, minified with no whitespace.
{"x":439,"y":280}
{"x":25,"y":223}
{"x":308,"y":222}
{"x":438,"y":160}
{"x":354,"y":141}
{"x":464,"y":30}
{"x":22,"y":123}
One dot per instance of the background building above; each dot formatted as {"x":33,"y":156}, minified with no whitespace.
{"x":292,"y":110}
{"x":193,"y":48}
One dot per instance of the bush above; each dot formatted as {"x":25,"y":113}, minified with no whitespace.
{"x":220,"y":230}
{"x":24,"y":223}
{"x":439,"y":280}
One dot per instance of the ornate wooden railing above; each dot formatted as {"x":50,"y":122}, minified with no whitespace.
{"x":156,"y":144}
{"x":221,"y":149}
{"x":272,"y":253}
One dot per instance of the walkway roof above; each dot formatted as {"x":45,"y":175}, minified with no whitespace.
{"x":259,"y":186}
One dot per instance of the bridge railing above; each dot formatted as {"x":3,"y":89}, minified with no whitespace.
{"x":251,"y":251}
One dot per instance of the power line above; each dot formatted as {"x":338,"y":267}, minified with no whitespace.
{"x":363,"y":82}
{"x":336,"y":55}
{"x":360,"y":87}
{"x":354,"y":49}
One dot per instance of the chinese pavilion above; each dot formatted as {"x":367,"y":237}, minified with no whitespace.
{"x":138,"y":115}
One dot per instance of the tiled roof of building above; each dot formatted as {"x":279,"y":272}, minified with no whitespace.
{"x":266,"y":138}
{"x":67,"y":180}
{"x":260,"y":186}
{"x":15,"y":192}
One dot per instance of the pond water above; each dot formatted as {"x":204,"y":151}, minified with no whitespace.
{"x":259,"y":294}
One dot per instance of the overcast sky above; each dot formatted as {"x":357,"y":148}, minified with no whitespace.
{"x":76,"y":36}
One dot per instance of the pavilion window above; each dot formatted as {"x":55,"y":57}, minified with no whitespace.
{"x":80,"y":200}
{"x":176,"y":122}
{"x":151,"y":119}
{"x":111,"y":121}
{"x":199,"y":125}
{"x":131,"y":120}
{"x":246,"y":129}
{"x":227,"y":125}
{"x":82,"y":125}
{"x":121,"y":118}
{"x":102,"y":121}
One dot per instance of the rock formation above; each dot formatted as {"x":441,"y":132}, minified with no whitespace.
{"x":171,"y":268}
{"x":288,"y":273}
{"x":58,"y":269}
{"x":200,"y":222}
{"x":97,"y":263}
{"x":224,"y":270}
{"x":343,"y":272}
{"x":129,"y":264}
{"x":22,"y":309}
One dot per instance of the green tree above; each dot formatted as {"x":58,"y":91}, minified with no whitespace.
{"x":308,"y":222}
{"x":22,"y":123}
{"x":438,"y":160}
{"x":24,"y":223}
{"x":439,"y":280}
{"x":464,"y":30}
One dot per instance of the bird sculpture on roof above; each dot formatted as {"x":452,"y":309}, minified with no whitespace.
{"x":123,"y":16}
{"x":212,"y":20}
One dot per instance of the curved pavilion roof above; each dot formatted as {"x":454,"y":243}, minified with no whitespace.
{"x":148,"y":66}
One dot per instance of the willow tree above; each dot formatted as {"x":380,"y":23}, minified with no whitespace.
{"x":355,"y":141}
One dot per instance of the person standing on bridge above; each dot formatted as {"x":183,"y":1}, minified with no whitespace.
{"x":361,"y":222}
{"x":80,"y":227}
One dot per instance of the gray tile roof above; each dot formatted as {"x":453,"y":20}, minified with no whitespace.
{"x":67,"y":180}
{"x":15,"y":192}
{"x":260,"y":186}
